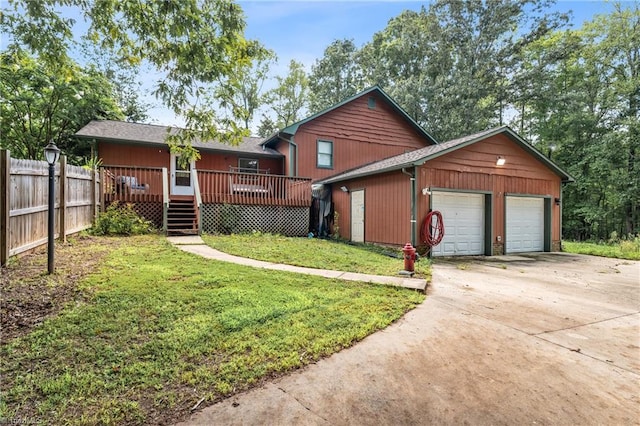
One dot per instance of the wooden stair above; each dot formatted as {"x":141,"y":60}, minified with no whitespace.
{"x":182,"y":218}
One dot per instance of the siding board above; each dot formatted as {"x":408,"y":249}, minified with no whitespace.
{"x":360,"y":135}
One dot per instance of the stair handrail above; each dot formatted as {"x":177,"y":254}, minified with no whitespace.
{"x":165,"y":199}
{"x":196,"y":190}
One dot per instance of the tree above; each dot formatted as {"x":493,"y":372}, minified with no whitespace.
{"x":585,"y":103}
{"x":194,"y":43}
{"x":291,"y":96}
{"x":334,"y":77}
{"x":242,"y":96}
{"x":41,"y":103}
{"x":123,"y":78}
{"x":267,"y":127}
{"x":449,"y":65}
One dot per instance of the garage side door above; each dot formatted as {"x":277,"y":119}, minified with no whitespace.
{"x":357,"y":216}
{"x":463,"y":217}
{"x":524,"y":224}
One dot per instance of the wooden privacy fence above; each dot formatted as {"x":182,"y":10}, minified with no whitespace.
{"x":24,"y":201}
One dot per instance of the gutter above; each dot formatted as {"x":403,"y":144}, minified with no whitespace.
{"x":412,"y":180}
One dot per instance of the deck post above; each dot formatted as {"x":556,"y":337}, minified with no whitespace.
{"x":196,"y":189}
{"x":5,"y":175}
{"x":165,"y":199}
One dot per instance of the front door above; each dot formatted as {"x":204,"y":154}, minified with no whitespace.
{"x":181,"y":177}
{"x":357,"y":216}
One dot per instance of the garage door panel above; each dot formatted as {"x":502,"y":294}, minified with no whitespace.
{"x":524,"y":224}
{"x":463,"y":216}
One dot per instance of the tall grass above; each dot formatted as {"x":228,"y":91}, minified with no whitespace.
{"x":615,"y":247}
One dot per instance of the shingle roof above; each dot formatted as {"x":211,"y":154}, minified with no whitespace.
{"x":422,"y":155}
{"x":122,"y":132}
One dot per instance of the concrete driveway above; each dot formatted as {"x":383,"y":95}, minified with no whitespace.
{"x":540,"y":339}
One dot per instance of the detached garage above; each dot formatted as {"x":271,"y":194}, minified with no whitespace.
{"x":496,"y":193}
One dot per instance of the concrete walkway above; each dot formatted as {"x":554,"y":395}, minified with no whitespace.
{"x":194,"y":244}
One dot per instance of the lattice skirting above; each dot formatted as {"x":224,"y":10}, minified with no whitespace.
{"x":151,"y":211}
{"x":235,"y":218}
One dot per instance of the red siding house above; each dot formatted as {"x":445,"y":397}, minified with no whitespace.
{"x":364,"y":159}
{"x":365,"y":128}
{"x":497,"y":194}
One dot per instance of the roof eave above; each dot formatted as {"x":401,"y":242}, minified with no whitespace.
{"x":164,"y":144}
{"x":365,"y":174}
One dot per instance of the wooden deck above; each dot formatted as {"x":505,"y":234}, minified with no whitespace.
{"x":253,"y":188}
{"x":145,"y":185}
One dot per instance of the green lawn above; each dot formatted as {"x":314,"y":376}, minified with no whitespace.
{"x":621,"y":250}
{"x":315,"y":253}
{"x":157,"y":330}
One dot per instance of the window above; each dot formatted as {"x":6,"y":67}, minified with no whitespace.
{"x":247,"y":165}
{"x":372,"y":102}
{"x":325,"y":154}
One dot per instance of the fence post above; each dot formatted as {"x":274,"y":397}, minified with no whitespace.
{"x":62,"y":194}
{"x":5,"y":175}
{"x":102,"y":190}
{"x":94,"y":199}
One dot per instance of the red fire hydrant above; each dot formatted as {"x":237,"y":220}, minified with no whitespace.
{"x":409,"y":257}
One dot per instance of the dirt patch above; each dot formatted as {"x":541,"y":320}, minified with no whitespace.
{"x":29,"y":296}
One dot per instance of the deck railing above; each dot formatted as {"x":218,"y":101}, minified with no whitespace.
{"x":250,"y":188}
{"x":131,"y":184}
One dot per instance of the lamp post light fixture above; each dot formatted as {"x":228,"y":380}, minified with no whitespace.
{"x":51,"y":154}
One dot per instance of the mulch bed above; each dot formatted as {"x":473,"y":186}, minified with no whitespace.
{"x":29,"y":296}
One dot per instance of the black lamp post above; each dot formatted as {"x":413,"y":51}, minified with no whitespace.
{"x":51,"y":154}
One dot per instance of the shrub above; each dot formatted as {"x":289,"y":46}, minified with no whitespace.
{"x":121,"y":219}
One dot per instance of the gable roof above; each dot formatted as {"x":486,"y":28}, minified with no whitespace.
{"x":292,"y":129}
{"x":151,"y":134}
{"x":422,"y":155}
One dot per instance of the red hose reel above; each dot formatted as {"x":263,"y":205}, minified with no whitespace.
{"x":432,"y":230}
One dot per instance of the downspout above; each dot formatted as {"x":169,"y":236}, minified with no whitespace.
{"x":412,"y":180}
{"x":561,"y":204}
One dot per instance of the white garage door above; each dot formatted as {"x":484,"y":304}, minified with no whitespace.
{"x":525,"y":224}
{"x":463,"y":217}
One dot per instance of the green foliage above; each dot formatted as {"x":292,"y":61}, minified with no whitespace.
{"x":243,"y":95}
{"x":267,"y":127}
{"x":194,"y":43}
{"x":627,"y":248}
{"x":43,"y":102}
{"x":334,"y":77}
{"x":316,"y":253}
{"x":121,"y":220}
{"x":581,"y":105}
{"x":449,"y":65}
{"x":290,"y":98}
{"x":160,"y":329}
